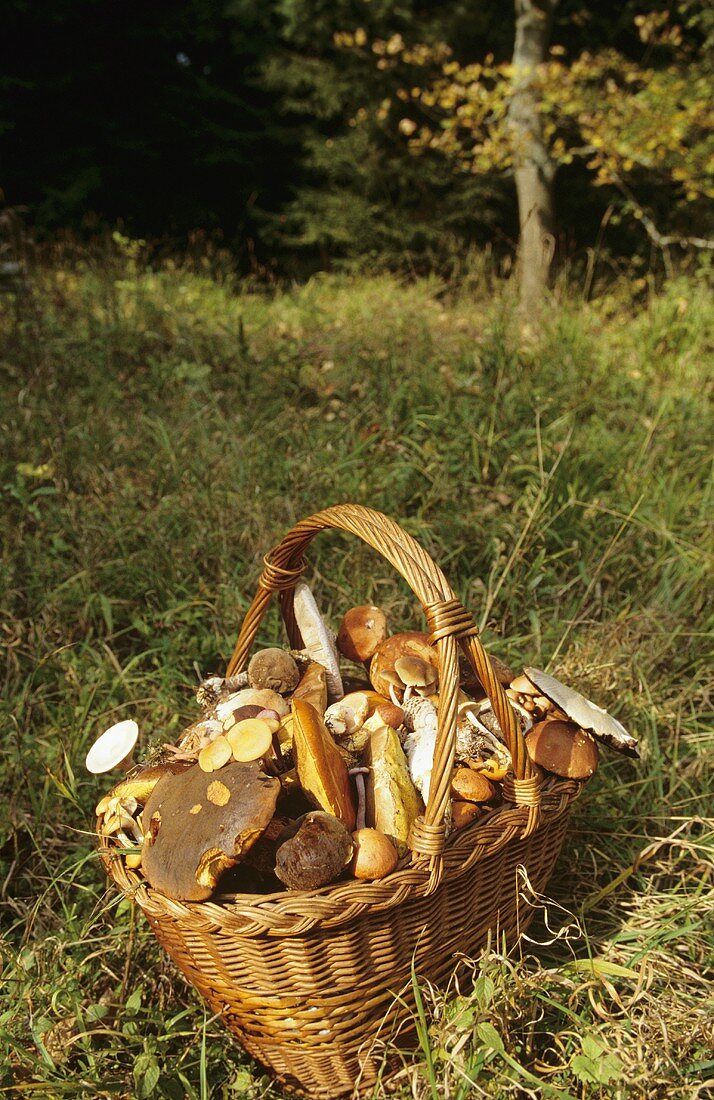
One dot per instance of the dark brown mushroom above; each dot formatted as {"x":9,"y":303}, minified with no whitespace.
{"x":320,"y":850}
{"x":197,"y":824}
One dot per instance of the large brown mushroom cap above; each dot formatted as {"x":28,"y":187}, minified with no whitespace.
{"x":563,"y":749}
{"x":362,"y":630}
{"x":197,"y":824}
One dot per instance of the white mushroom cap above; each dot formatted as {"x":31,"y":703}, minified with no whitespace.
{"x":589,"y":716}
{"x":112,"y":747}
{"x":317,"y":639}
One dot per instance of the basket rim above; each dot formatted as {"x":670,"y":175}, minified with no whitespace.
{"x":292,"y":912}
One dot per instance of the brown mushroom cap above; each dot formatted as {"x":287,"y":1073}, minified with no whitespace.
{"x":471,"y":786}
{"x":410,"y":643}
{"x":362,"y":631}
{"x":415,"y":672}
{"x":274,"y":669}
{"x":374,"y":857}
{"x":463,"y":813}
{"x":563,"y":749}
{"x":316,"y":855}
{"x":198,"y":824}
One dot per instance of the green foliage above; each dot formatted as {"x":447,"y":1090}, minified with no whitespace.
{"x":641,"y":124}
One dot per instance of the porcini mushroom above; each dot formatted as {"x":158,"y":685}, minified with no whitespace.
{"x":563,"y":749}
{"x":197,"y":824}
{"x":273,"y":669}
{"x":317,"y":639}
{"x":113,"y":749}
{"x":316,"y":855}
{"x":361,"y":632}
{"x":589,"y":716}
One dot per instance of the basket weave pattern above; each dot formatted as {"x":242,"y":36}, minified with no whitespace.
{"x":308,"y":980}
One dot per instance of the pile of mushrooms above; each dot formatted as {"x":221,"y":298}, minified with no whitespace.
{"x":288,"y":781}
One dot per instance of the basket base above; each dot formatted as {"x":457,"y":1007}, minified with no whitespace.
{"x":319,"y":1010}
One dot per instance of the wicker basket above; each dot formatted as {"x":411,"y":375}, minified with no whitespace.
{"x":311,"y":983}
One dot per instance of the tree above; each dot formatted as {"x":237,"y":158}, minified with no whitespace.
{"x":636,"y":114}
{"x":533,"y":166}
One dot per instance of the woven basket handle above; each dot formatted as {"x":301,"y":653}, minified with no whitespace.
{"x":447,"y":620}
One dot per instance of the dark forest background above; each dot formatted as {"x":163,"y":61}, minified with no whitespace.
{"x":244,"y":120}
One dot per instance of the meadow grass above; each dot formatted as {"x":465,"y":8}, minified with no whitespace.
{"x":162,"y":429}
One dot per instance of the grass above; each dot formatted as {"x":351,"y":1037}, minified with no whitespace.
{"x":162,"y":429}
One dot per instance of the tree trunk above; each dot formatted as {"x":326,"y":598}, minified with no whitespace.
{"x":534,"y":170}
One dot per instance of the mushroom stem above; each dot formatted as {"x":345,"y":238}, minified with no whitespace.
{"x":359,"y":774}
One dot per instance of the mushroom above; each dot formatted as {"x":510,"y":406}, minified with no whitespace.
{"x":392,"y":799}
{"x":358,"y":774}
{"x":470,"y":681}
{"x":382,"y":668}
{"x":463,"y":813}
{"x":362,"y":631}
{"x":348,"y":714}
{"x":316,"y":855}
{"x":415,"y":672}
{"x":471,"y":786}
{"x":352,"y":718}
{"x":420,"y":718}
{"x":252,"y":739}
{"x":589,"y":716}
{"x":197,"y":825}
{"x":563,"y":749}
{"x":113,"y":749}
{"x":215,"y":688}
{"x":313,"y":687}
{"x":264,"y":698}
{"x":214,"y":755}
{"x":139,"y":786}
{"x":374,"y":854}
{"x":476,"y":742}
{"x":320,"y":767}
{"x":317,"y":639}
{"x":274,"y":669}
